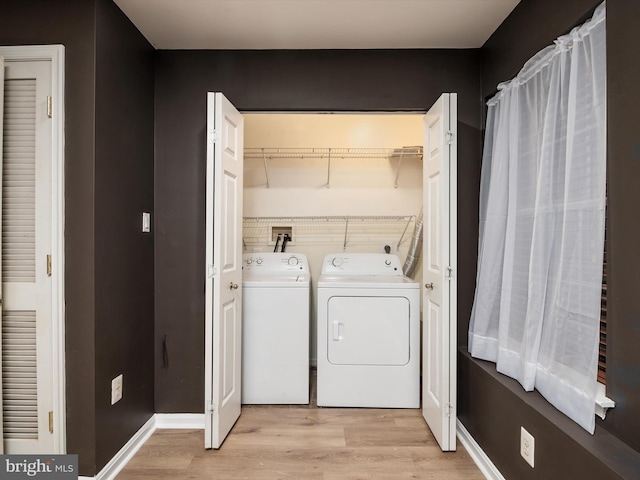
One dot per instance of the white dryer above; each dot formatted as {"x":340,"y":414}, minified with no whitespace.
{"x":368,"y":333}
{"x":275,"y":328}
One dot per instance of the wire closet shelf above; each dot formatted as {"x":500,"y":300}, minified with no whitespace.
{"x":326,"y":230}
{"x":266,"y":154}
{"x":321,"y":153}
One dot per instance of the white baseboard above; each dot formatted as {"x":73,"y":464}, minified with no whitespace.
{"x":476,"y":453}
{"x":120,"y":459}
{"x":180,"y":420}
{"x":159,"y":420}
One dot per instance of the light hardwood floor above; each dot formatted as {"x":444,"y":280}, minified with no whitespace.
{"x":269,"y":443}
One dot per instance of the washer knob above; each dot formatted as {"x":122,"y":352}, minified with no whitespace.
{"x":293,"y":260}
{"x":337,"y":262}
{"x":249,"y":261}
{"x":259,"y":261}
{"x":387,"y":262}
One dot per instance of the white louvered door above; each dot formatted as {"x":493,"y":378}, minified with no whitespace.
{"x":1,"y":148}
{"x":27,"y":364}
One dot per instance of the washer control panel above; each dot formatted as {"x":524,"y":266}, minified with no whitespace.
{"x":361,"y":264}
{"x":274,"y":263}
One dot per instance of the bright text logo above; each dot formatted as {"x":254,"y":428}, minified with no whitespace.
{"x":49,"y":467}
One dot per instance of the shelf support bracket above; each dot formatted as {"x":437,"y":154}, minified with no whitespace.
{"x":398,"y":171}
{"x":329,"y":170}
{"x":403,"y":233}
{"x":346,"y":229}
{"x":266,"y":170}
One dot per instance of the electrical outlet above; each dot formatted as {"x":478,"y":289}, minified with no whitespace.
{"x":116,"y":389}
{"x":527,"y":446}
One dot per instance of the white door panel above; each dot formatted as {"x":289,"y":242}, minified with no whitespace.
{"x":439,"y":260}
{"x":229,"y":225}
{"x":434,"y":373}
{"x":223,"y":283}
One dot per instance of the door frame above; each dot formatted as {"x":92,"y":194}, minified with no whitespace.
{"x":452,"y":298}
{"x":55,"y":55}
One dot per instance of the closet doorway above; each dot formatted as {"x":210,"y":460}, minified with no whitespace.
{"x":301,"y":170}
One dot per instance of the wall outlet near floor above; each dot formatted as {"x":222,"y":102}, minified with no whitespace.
{"x":527,"y":446}
{"x":116,"y":389}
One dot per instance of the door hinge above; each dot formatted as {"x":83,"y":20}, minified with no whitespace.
{"x":51,"y":421}
{"x":211,"y":408}
{"x":48,"y":265}
{"x":49,"y":106}
{"x":212,"y":271}
{"x":448,"y":273}
{"x":449,"y":137}
{"x":213,"y":136}
{"x":448,"y":410}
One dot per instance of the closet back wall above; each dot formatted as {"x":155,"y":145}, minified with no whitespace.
{"x":309,"y":80}
{"x":362,"y":187}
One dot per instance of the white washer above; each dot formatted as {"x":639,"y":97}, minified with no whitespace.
{"x":368,"y":333}
{"x":275,"y":328}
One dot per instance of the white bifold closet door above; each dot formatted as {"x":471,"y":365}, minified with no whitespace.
{"x":27,"y":367}
{"x":223,"y":282}
{"x":439,"y":271}
{"x":1,"y":148}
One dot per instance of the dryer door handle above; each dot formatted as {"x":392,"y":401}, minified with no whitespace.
{"x":336,"y":331}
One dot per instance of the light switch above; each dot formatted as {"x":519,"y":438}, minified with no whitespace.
{"x":116,"y":389}
{"x":146,"y":222}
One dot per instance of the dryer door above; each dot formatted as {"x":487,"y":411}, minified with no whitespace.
{"x":368,"y":330}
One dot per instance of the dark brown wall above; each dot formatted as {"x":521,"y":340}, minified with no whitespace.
{"x":531,"y":26}
{"x":108,"y":183}
{"x":123,"y":254}
{"x":364,"y":80}
{"x":493,"y":410}
{"x":623,"y":303}
{"x":492,"y":407}
{"x":71,"y":23}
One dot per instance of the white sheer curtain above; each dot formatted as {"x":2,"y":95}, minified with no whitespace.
{"x":536,"y":311}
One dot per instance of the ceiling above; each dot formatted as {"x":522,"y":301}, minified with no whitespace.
{"x":316,"y":24}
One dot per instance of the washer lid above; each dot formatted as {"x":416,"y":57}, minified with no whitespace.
{"x":366,"y":281}
{"x":273,"y":281}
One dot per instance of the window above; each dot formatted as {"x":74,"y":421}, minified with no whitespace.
{"x":602,"y":349}
{"x":537,"y":307}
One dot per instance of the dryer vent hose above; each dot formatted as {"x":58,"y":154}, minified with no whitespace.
{"x":413,"y":255}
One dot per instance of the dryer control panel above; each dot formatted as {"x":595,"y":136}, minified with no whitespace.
{"x":361,"y":264}
{"x":275,"y":263}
